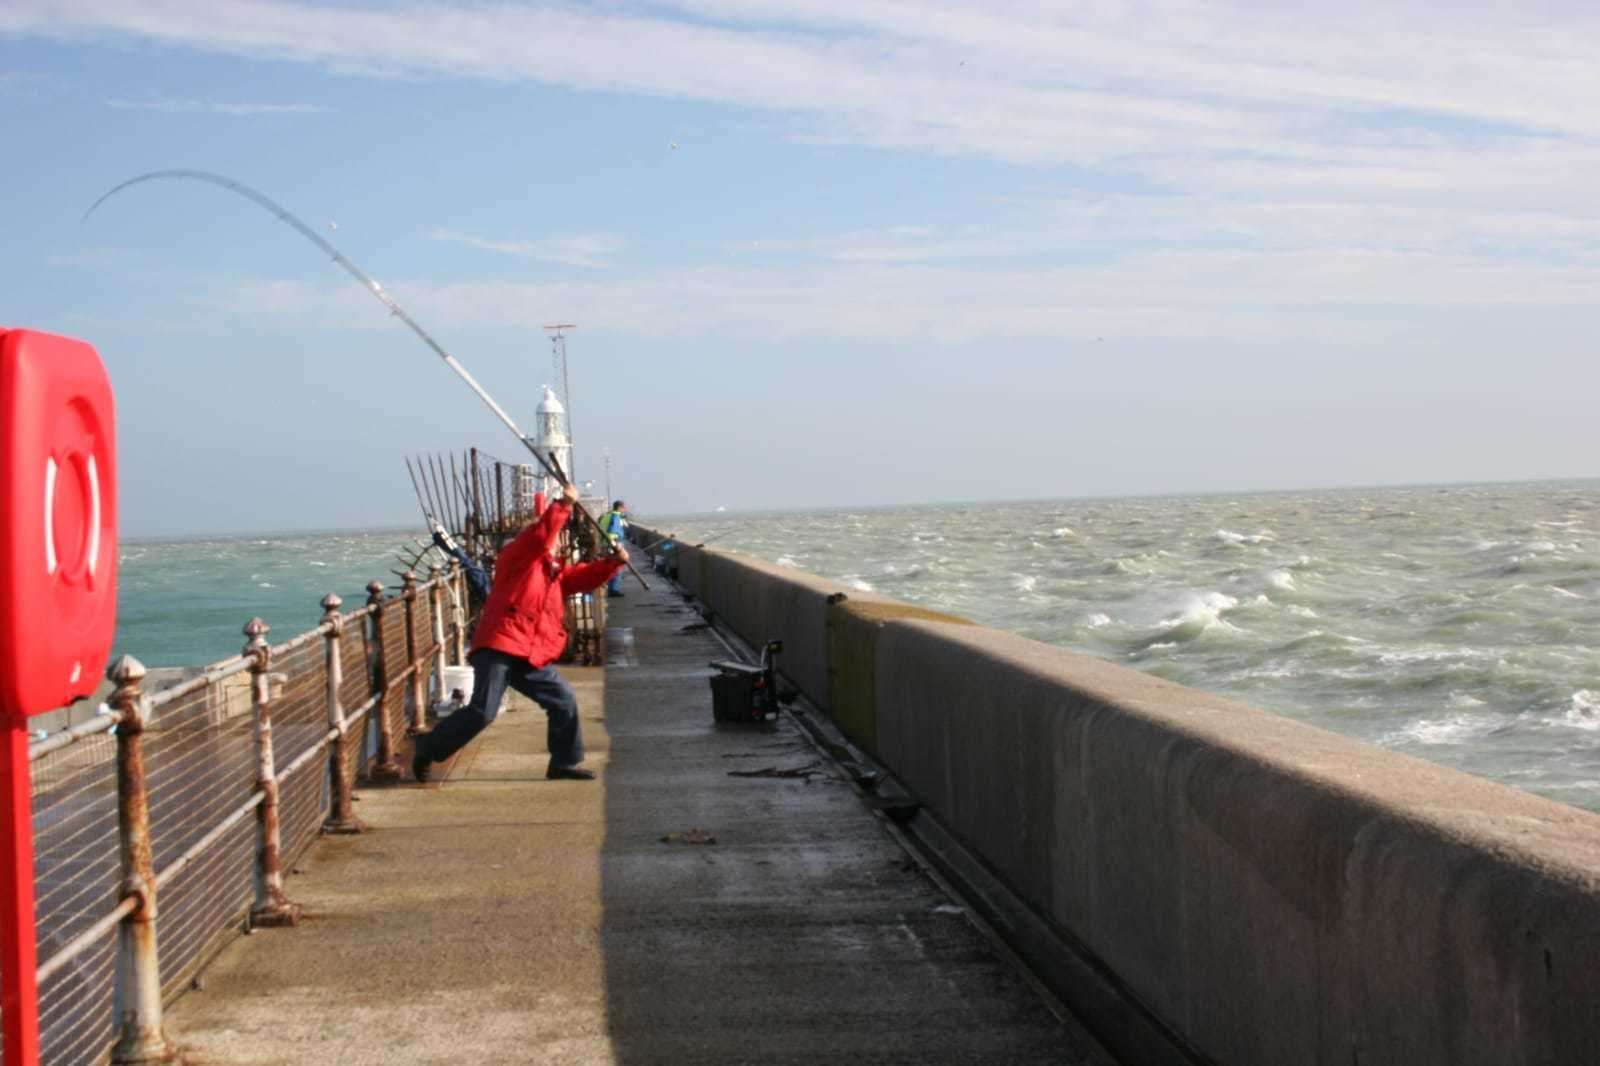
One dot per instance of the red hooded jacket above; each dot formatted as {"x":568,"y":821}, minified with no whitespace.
{"x":525,"y":614}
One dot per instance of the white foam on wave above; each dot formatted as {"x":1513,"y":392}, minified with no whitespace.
{"x":316,"y":563}
{"x":1282,"y":580}
{"x":1097,"y":620}
{"x":1062,"y":533}
{"x":1228,"y":536}
{"x":1301,"y":611}
{"x":859,"y":585}
{"x":1568,"y":593}
{"x":1026,"y":583}
{"x":1431,"y":655}
{"x":265,"y":585}
{"x":1584,"y":710}
{"x":1199,"y":614}
{"x":784,"y":560}
{"x":1451,"y":729}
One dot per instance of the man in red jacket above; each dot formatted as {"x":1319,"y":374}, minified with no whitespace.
{"x":521,"y":631}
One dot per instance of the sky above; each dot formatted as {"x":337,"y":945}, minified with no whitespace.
{"x":818,"y":254}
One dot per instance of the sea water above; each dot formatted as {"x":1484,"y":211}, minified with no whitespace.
{"x":1459,"y":624}
{"x":186,"y":602}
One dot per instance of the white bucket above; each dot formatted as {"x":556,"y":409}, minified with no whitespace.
{"x":455,"y":677}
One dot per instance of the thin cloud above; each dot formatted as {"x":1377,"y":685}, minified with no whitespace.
{"x":582,"y":250}
{"x":1257,"y":295}
{"x":942,"y":76}
{"x":1369,"y":102}
{"x":1292,"y":162}
{"x":212,"y":107}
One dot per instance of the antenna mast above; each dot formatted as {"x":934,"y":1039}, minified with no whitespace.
{"x":558,"y":359}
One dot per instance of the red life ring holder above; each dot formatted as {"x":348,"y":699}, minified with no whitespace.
{"x":58,"y":537}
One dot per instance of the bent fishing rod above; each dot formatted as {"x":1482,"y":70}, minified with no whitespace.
{"x":288,"y":218}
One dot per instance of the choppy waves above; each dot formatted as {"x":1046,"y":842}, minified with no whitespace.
{"x":185,"y":602}
{"x":1459,"y":624}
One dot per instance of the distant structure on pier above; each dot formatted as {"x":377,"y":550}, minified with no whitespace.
{"x":551,"y":440}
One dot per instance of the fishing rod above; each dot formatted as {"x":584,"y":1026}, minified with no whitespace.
{"x":377,"y":290}
{"x":461,"y":491}
{"x":414,"y":488}
{"x":442,"y":496}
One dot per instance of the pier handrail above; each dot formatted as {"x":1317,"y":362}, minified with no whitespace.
{"x":154,"y":797}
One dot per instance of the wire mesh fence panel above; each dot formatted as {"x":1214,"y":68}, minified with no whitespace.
{"x":77,"y":862}
{"x":299,"y":702}
{"x":302,"y":808}
{"x":357,"y":746}
{"x":422,"y":622}
{"x":394,"y":640}
{"x":77,"y":879}
{"x":205,"y":904}
{"x":395,"y":661}
{"x":77,"y":1010}
{"x":200,"y":765}
{"x":394,"y":710}
{"x":425,"y":668}
{"x":355,"y":683}
{"x":299,"y":724}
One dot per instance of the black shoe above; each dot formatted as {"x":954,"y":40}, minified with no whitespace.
{"x":569,"y":773}
{"x":618,"y":594}
{"x":421,"y":766}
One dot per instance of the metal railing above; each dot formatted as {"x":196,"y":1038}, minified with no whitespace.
{"x":201,"y":795}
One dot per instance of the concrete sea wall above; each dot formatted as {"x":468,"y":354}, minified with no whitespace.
{"x":1270,"y":892}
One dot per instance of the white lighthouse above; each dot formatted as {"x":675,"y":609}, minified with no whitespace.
{"x":550,"y":438}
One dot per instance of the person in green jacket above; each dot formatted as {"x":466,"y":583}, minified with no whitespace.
{"x":614,"y":523}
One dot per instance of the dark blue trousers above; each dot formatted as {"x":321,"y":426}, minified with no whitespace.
{"x":492,"y":673}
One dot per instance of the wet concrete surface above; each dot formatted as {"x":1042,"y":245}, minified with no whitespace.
{"x":503,"y":918}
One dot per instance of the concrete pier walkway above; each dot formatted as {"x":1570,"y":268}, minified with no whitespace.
{"x":503,"y":918}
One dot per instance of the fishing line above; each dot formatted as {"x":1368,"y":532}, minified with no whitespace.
{"x":288,"y":218}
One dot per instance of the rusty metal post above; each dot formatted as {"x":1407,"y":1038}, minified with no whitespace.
{"x":385,"y":769}
{"x":137,"y":997}
{"x":341,"y":817}
{"x":272,"y":907}
{"x":436,"y":600}
{"x":477,"y":505}
{"x":419,"y":692}
{"x":499,"y":505}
